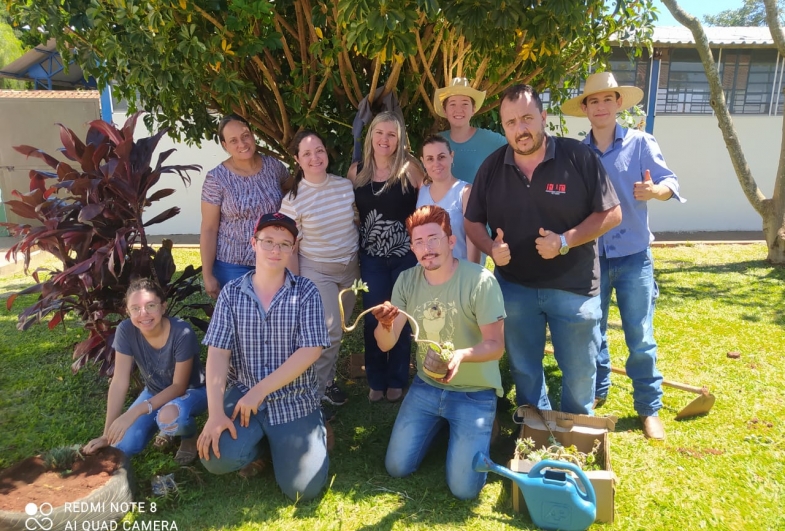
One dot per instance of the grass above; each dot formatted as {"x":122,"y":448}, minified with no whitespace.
{"x":725,"y":470}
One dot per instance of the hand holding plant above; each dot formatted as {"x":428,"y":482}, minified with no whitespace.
{"x":386,"y":313}
{"x":437,"y":361}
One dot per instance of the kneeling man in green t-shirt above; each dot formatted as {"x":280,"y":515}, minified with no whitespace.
{"x":457,"y":302}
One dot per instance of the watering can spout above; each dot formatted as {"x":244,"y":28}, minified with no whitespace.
{"x":483,"y":463}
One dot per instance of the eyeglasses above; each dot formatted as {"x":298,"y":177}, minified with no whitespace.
{"x":269,"y":245}
{"x":150,"y":307}
{"x":431,"y":243}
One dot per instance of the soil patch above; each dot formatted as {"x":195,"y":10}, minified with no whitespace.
{"x":29,"y":481}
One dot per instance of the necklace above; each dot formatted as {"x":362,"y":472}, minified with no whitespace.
{"x":374,"y":192}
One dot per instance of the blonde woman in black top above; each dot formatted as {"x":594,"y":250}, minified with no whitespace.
{"x":386,"y":183}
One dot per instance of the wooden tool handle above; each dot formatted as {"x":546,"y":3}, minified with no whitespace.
{"x":675,"y":385}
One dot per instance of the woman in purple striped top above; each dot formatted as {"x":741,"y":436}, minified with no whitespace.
{"x":235,"y":193}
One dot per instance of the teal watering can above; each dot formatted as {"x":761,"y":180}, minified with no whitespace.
{"x":553,"y":497}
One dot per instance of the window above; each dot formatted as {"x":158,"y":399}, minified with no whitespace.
{"x":687,"y":88}
{"x":748,"y":78}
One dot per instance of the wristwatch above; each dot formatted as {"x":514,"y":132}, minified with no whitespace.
{"x":564,"y":249}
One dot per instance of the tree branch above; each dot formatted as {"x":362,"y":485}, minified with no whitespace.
{"x":318,"y":94}
{"x":743,"y":172}
{"x":421,"y":88}
{"x":480,"y":72}
{"x":377,"y":68}
{"x":425,"y":63}
{"x":773,"y":20}
{"x":392,"y":79}
{"x":286,"y":50}
{"x":347,"y":87}
{"x":281,"y":22}
{"x":358,"y":94}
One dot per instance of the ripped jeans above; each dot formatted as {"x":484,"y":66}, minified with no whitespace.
{"x":141,"y":432}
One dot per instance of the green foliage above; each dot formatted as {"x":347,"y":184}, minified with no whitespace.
{"x":91,"y":217}
{"x":11,"y":49}
{"x":61,"y":459}
{"x":300,"y":63}
{"x":524,"y":449}
{"x":752,"y":13}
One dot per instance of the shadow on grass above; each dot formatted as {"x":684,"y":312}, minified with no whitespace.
{"x":710,"y":282}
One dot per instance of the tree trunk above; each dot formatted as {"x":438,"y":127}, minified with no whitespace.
{"x":772,"y":211}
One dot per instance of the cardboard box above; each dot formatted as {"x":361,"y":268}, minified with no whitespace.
{"x":569,"y":429}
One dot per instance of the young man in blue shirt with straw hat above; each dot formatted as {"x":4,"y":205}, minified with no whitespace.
{"x":639,"y":174}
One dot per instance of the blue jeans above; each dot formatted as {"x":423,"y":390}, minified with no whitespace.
{"x":298,"y":449}
{"x":385,"y":369}
{"x":225,"y":271}
{"x":574,"y":322}
{"x":423,"y":413}
{"x":144,"y":428}
{"x":636,"y":293}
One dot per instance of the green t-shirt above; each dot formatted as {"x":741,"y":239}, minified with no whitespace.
{"x":454,"y":311}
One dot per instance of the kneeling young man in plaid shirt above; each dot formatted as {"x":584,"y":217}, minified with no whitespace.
{"x":266,"y":332}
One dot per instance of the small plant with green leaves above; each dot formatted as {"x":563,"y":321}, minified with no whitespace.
{"x":442,"y":352}
{"x":62,"y":459}
{"x":525,"y":449}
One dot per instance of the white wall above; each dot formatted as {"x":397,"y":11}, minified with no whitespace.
{"x":692,"y":145}
{"x":694,"y":149}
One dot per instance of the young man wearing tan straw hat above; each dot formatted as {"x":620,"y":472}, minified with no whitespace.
{"x":639,"y":174}
{"x":457,"y":103}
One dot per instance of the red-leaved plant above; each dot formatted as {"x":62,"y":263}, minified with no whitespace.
{"x":92,"y":216}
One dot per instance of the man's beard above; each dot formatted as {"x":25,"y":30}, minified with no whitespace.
{"x":537,"y":139}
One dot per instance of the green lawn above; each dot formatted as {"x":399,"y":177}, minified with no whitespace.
{"x":725,"y":470}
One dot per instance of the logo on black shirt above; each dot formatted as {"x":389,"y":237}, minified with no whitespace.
{"x":556,"y":189}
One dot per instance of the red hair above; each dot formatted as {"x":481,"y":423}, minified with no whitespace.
{"x":429,"y":214}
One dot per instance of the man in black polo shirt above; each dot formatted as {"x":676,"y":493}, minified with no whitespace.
{"x":547,"y":200}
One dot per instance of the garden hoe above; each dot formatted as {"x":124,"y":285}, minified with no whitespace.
{"x":699,"y":406}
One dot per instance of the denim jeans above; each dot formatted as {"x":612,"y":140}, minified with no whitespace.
{"x":225,"y":271}
{"x":574,"y":322}
{"x":385,"y":369}
{"x":424,"y":411}
{"x":191,"y":404}
{"x":298,"y":449}
{"x":330,"y":278}
{"x":636,"y":293}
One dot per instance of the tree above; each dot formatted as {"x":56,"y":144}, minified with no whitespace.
{"x":752,"y":13}
{"x":290,"y":64}
{"x":771,"y":210}
{"x":10,"y":50}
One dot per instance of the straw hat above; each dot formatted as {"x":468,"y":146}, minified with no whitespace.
{"x":602,"y":82}
{"x":458,"y":87}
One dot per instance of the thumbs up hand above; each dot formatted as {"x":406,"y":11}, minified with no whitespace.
{"x":645,"y":190}
{"x":548,"y":244}
{"x":500,"y":251}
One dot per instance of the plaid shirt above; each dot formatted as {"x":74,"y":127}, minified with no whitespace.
{"x":262,"y":341}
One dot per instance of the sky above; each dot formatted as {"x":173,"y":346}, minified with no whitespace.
{"x":697,"y":8}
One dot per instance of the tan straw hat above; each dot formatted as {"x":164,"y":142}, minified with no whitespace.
{"x":602,"y":82}
{"x":458,"y":87}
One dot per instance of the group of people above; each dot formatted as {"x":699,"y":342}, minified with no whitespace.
{"x":564,"y":221}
